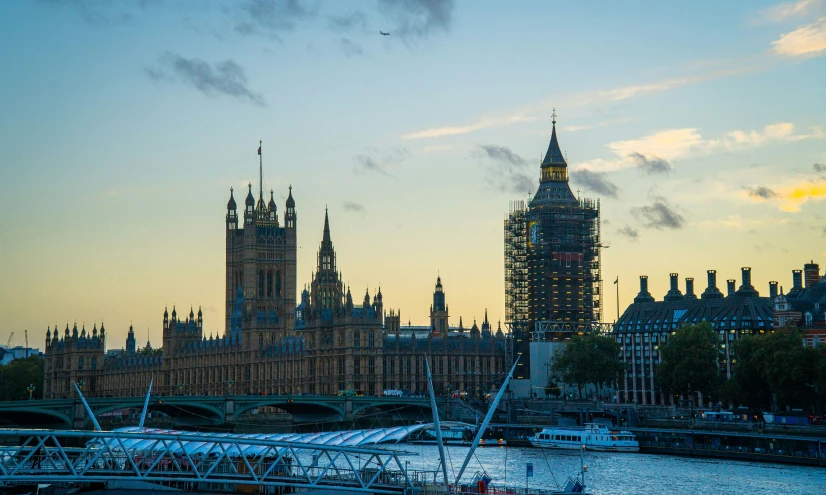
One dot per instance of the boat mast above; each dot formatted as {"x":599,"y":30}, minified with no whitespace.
{"x":488,"y":416}
{"x":436,"y":423}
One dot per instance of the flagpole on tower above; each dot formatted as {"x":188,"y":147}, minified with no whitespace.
{"x":260,"y":172}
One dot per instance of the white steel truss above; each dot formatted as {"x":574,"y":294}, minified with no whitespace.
{"x":193,"y":461}
{"x":541,"y":328}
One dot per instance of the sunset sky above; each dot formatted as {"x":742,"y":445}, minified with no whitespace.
{"x":700,"y":125}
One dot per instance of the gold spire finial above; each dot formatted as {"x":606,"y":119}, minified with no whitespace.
{"x":553,"y":117}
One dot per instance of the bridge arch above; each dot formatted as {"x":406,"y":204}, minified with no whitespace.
{"x":300,"y":410}
{"x":34,"y":417}
{"x":410,"y":410}
{"x":169,"y":406}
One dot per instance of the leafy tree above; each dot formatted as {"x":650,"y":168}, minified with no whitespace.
{"x":689,"y":361}
{"x":775,"y":370}
{"x":16,"y":376}
{"x":589,"y":359}
{"x":552,"y":390}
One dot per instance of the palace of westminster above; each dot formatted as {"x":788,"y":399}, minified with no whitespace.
{"x":325,"y":344}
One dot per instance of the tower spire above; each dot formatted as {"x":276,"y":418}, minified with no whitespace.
{"x":260,"y":171}
{"x":326,"y":226}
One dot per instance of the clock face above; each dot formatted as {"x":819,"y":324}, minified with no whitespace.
{"x":534,"y":233}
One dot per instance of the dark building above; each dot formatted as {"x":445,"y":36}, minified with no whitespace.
{"x":552,"y":260}
{"x":646,"y":324}
{"x":804,"y":307}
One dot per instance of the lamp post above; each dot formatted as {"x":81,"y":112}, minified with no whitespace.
{"x":30,"y":388}
{"x":230,"y":383}
{"x":180,"y":388}
{"x":80,"y":385}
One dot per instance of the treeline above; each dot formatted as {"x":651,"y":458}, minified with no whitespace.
{"x":16,"y":377}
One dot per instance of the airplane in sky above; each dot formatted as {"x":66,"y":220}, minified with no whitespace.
{"x":384,"y":34}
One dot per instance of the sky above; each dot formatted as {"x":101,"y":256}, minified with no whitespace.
{"x":701,"y":127}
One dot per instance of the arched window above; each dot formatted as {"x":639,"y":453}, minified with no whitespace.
{"x":278,"y":283}
{"x":261,"y":283}
{"x":269,"y":283}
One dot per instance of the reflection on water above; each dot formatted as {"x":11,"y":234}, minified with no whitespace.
{"x":623,"y":474}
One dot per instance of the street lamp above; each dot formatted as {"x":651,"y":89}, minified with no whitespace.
{"x":230,"y":383}
{"x":80,"y":385}
{"x":180,"y":388}
{"x":30,"y":388}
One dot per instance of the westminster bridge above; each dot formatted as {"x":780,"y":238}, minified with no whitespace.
{"x":218,"y":410}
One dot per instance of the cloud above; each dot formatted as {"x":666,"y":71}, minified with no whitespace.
{"x":650,"y":166}
{"x":659,"y":215}
{"x":819,"y":167}
{"x":353,"y":21}
{"x":269,"y":17}
{"x":98,"y":13}
{"x":629,"y":232}
{"x":596,"y":182}
{"x":351,"y":48}
{"x":808,"y":40}
{"x":509,"y":171}
{"x":542,"y":109}
{"x":381,"y":165}
{"x":674,"y":144}
{"x":793,"y":197}
{"x":353,"y":207}
{"x":225,"y":77}
{"x":785,"y":11}
{"x":417,"y":19}
{"x":761,"y":192}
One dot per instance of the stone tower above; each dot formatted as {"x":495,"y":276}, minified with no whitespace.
{"x":261,"y":261}
{"x":439,"y":311}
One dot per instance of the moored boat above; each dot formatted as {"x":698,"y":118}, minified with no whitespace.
{"x":592,"y":436}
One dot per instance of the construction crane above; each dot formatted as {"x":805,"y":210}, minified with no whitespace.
{"x":8,"y":342}
{"x":26,"y":334}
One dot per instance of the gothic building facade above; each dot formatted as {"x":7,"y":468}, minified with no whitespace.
{"x":325,"y":344}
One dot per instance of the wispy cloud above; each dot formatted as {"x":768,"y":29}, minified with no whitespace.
{"x":674,"y":144}
{"x":805,"y":41}
{"x":819,"y":167}
{"x":651,"y":165}
{"x":353,"y":207}
{"x":784,"y":11}
{"x":595,"y":181}
{"x":351,"y":48}
{"x":659,"y":215}
{"x":541,"y":109}
{"x":508,"y":171}
{"x":269,"y":17}
{"x":761,"y":192}
{"x":381,"y":164}
{"x":629,"y":232}
{"x":355,"y":20}
{"x":413,"y":20}
{"x":225,"y":77}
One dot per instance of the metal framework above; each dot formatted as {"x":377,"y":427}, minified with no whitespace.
{"x":194,"y":461}
{"x":568,"y":328}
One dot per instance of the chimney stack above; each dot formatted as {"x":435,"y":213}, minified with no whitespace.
{"x":730,"y":284}
{"x":772,"y":289}
{"x":811,"y":273}
{"x":674,"y":293}
{"x":797,"y":280}
{"x":746,"y":275}
{"x":712,"y":292}
{"x":689,"y":288}
{"x":644,"y":296}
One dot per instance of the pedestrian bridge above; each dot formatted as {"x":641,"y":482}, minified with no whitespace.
{"x":216,"y":410}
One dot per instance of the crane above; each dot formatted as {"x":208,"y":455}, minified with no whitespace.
{"x":8,"y":342}
{"x":26,"y":334}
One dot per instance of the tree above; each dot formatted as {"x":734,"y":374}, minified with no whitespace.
{"x":689,"y":361}
{"x":775,"y":370}
{"x":588,"y":359}
{"x":552,"y":390}
{"x":16,"y":376}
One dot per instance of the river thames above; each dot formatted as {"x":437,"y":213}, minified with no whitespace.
{"x":624,"y":474}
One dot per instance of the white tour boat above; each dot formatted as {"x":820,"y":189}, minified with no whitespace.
{"x":591,"y":436}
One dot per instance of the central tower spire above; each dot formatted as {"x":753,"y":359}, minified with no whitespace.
{"x":260,"y":172}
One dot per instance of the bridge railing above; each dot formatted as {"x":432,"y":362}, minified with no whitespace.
{"x":193,"y":461}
